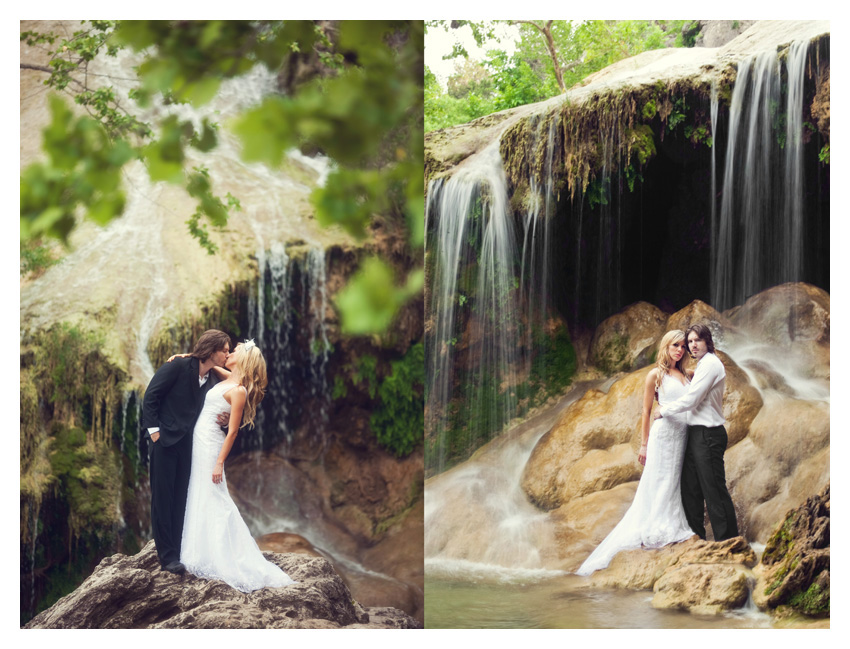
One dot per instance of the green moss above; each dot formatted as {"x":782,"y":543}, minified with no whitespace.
{"x":399,"y":420}
{"x":813,"y":602}
{"x":88,"y":479}
{"x":612,"y":357}
{"x":650,"y":110}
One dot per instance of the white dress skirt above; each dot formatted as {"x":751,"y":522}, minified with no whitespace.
{"x":216,"y":541}
{"x":656,"y":516}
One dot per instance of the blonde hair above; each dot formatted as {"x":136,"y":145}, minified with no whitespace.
{"x":252,"y":368}
{"x":663,"y":361}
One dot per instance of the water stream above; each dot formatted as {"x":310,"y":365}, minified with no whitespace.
{"x":759,"y":239}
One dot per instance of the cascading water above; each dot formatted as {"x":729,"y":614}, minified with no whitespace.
{"x":472,"y":295}
{"x":760,"y":240}
{"x":286,"y":316}
{"x":535,"y":272}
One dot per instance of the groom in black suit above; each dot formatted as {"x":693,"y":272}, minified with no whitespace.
{"x":173,"y":400}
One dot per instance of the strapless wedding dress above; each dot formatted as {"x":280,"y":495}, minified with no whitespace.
{"x":216,"y":541}
{"x":656,"y":517}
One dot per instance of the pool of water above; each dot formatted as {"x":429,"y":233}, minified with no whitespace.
{"x":563,"y":603}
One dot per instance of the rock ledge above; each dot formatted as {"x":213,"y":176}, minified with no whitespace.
{"x":134,"y":593}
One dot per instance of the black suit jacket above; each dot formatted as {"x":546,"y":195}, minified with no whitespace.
{"x":174,"y":399}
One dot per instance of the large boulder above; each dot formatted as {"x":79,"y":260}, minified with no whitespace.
{"x":784,"y":457}
{"x":135,"y":593}
{"x":794,"y":568}
{"x":627,"y":339}
{"x":792,"y":322}
{"x":597,"y":421}
{"x":697,"y":576}
{"x":593,"y":446}
{"x":707,"y":578}
{"x":698,"y":312}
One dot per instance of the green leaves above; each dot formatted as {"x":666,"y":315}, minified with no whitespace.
{"x":399,"y":420}
{"x":371,"y":299}
{"x":359,"y":103}
{"x":83,"y":170}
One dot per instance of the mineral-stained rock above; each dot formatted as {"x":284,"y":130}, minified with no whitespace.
{"x":784,"y":457}
{"x":793,"y":320}
{"x":702,"y":589}
{"x":695,"y":575}
{"x":588,"y":448}
{"x":625,"y":338}
{"x":134,"y":592}
{"x":794,"y":568}
{"x":698,"y":312}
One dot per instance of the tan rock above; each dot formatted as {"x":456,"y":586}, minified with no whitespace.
{"x":784,"y":457}
{"x":600,"y":470}
{"x":698,"y":312}
{"x":627,"y":339}
{"x":284,"y":542}
{"x":639,"y":569}
{"x":793,"y":320}
{"x":680,"y":571}
{"x":596,"y":421}
{"x":588,"y":448}
{"x":702,"y":589}
{"x":741,"y":400}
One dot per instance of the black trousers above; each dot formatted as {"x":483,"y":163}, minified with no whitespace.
{"x":169,"y":473}
{"x":704,"y":483}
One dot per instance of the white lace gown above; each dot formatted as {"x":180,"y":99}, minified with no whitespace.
{"x":216,"y":541}
{"x":656,"y":517}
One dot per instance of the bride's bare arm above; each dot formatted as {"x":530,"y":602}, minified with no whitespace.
{"x":221,"y":372}
{"x":237,"y":400}
{"x":646,"y":412}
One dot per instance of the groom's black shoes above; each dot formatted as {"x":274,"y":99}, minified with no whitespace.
{"x":175,"y":567}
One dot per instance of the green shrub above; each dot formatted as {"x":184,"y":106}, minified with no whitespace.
{"x":399,"y":421}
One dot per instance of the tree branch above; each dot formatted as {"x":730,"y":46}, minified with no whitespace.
{"x":40,"y":68}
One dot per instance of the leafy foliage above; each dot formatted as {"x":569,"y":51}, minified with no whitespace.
{"x":529,"y":74}
{"x":399,"y":420}
{"x":361,"y":105}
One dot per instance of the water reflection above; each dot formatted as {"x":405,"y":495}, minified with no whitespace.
{"x":563,"y":603}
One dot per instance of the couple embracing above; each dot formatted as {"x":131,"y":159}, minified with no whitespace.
{"x":196,"y":525}
{"x":682,"y":454}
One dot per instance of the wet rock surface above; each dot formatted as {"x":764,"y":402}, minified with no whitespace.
{"x":699,"y":576}
{"x":135,"y":593}
{"x":794,"y":569}
{"x":627,"y":339}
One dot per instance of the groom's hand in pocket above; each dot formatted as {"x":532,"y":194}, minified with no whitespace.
{"x":155,"y":437}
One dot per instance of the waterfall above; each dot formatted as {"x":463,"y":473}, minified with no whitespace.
{"x":315,"y":303}
{"x":286,"y":316}
{"x":472,"y":352}
{"x":535,"y":270}
{"x":759,"y":238}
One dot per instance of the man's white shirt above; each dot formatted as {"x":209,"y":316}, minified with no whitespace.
{"x":703,"y":401}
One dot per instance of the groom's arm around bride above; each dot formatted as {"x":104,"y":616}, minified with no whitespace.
{"x":172,"y":402}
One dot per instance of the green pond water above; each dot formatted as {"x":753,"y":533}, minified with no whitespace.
{"x":560,"y":603}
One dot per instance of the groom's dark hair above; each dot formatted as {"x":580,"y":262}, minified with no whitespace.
{"x":703,"y":333}
{"x":210,"y":342}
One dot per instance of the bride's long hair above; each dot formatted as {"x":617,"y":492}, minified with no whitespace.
{"x":252,"y":368}
{"x":663,"y":361}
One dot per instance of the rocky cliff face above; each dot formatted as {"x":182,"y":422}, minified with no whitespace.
{"x":134,"y":593}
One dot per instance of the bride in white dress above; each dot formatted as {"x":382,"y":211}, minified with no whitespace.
{"x":216,"y":541}
{"x":656,"y":517}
